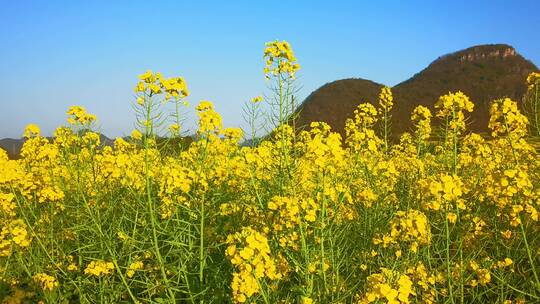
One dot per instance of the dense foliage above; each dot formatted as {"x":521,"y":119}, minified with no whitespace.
{"x":300,"y":217}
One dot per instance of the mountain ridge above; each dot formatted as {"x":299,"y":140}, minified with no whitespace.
{"x":483,"y":72}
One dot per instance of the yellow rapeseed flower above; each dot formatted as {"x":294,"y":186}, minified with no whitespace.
{"x":99,"y":268}
{"x":45,"y":281}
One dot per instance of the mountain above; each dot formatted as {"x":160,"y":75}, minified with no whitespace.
{"x":483,"y":72}
{"x":334,"y":102}
{"x":12,"y":146}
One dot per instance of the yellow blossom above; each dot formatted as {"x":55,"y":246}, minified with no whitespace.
{"x":99,"y":268}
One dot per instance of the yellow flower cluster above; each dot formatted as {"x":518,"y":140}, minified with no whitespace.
{"x":442,"y":191}
{"x":514,"y":181}
{"x":322,"y":149}
{"x":7,"y":205}
{"x":318,"y":266}
{"x":365,"y":115}
{"x":483,"y":275}
{"x":78,"y":115}
{"x":451,"y":107}
{"x":233,"y":134}
{"x":174,"y":87}
{"x":505,"y":263}
{"x":388,"y":286}
{"x":13,"y":234}
{"x":425,"y":282}
{"x":407,"y":227}
{"x":45,"y":281}
{"x":421,"y":117}
{"x":533,"y":80}
{"x":133,"y":267}
{"x":512,"y":191}
{"x":209,"y":120}
{"x":287,"y":213}
{"x":31,"y":130}
{"x":280,"y":59}
{"x":386,"y":99}
{"x":505,"y":119}
{"x":174,"y":185}
{"x":99,"y":268}
{"x":359,"y":133}
{"x":249,"y":252}
{"x":136,"y":135}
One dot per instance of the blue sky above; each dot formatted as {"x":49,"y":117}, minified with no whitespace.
{"x":59,"y":53}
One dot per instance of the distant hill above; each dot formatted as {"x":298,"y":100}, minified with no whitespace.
{"x":334,"y":102}
{"x":483,"y":72}
{"x":12,"y":146}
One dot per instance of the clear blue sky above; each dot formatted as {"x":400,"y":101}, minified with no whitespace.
{"x":55,"y":54}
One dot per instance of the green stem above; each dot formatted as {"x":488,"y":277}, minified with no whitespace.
{"x":448,"y":270}
{"x":385,"y":130}
{"x":150,"y":202}
{"x":529,"y":255}
{"x":536,"y":110}
{"x":323,"y":228}
{"x":202,"y":261}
